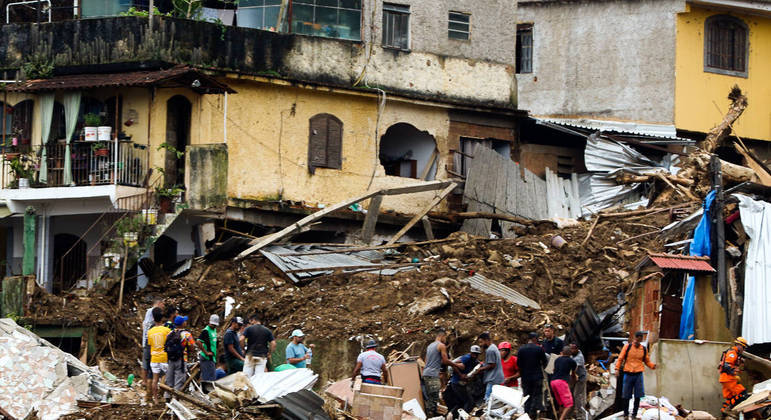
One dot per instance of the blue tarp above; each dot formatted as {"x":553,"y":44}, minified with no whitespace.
{"x":701,"y":246}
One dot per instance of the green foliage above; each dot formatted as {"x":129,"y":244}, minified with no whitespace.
{"x":169,"y":192}
{"x":171,"y":149}
{"x":133,"y":11}
{"x":23,"y":166}
{"x":99,"y":145}
{"x":38,"y":67}
{"x":92,"y":120}
{"x":188,"y":9}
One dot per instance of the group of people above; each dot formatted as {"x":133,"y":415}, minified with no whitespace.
{"x":168,"y":348}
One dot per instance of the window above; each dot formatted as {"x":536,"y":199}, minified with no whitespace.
{"x":325,"y":142}
{"x":259,"y":14}
{"x":524,"y":48}
{"x":459,"y":26}
{"x":327,"y":18}
{"x":725,"y":45}
{"x":396,"y":26}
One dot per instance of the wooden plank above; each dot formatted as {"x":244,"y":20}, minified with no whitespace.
{"x":430,"y":163}
{"x":368,"y":229}
{"x":258,"y":244}
{"x":427,"y":228}
{"x":406,"y":375}
{"x":422,"y":213}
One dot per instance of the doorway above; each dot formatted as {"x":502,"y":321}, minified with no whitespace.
{"x":69,"y":261}
{"x":178,"y":114}
{"x":165,"y":252}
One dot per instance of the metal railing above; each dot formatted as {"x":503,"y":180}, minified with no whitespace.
{"x":124,"y":163}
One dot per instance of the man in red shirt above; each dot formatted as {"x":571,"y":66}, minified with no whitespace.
{"x":509,"y":364}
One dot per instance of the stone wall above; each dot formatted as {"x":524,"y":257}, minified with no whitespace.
{"x":601,"y":59}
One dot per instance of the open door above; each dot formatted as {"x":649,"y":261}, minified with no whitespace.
{"x":69,"y":261}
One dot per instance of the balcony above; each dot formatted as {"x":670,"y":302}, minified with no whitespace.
{"x":102,"y":175}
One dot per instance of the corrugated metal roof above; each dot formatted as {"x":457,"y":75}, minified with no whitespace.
{"x":491,"y":287}
{"x":302,"y":405}
{"x":681,"y":262}
{"x":272,"y":385}
{"x":641,"y":129}
{"x":179,"y":76}
{"x":286,"y":258}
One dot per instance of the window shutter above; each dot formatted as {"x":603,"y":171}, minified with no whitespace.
{"x":334,"y":150}
{"x":317,"y":143}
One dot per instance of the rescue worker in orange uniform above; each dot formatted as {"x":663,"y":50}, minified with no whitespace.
{"x":730,"y":364}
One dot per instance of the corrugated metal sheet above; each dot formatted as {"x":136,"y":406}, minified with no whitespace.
{"x":640,"y":129}
{"x":318,"y":264}
{"x":491,"y":287}
{"x":302,"y":405}
{"x":272,"y":385}
{"x":681,"y":262}
{"x":180,"y":76}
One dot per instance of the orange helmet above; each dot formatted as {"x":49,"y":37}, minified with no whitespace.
{"x":504,"y":345}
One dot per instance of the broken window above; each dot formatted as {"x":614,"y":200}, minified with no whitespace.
{"x":725,"y":46}
{"x":408,"y":152}
{"x":524,"y":48}
{"x":396,"y":26}
{"x":259,"y":14}
{"x":325,"y":142}
{"x":459,"y":26}
{"x":327,"y":18}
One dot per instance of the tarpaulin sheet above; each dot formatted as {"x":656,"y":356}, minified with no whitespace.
{"x":605,"y":160}
{"x":700,"y":247}
{"x":756,"y":219}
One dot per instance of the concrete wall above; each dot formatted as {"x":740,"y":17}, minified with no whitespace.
{"x":686,"y":374}
{"x":492,"y":34}
{"x":601,"y":59}
{"x":206,"y":176}
{"x":698,"y":91}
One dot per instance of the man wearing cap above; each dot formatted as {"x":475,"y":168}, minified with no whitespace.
{"x":509,"y":364}
{"x":234,"y":354}
{"x":296,"y":352}
{"x":179,"y":342}
{"x":456,"y":395}
{"x":208,"y":355}
{"x":531,"y":359}
{"x":371,"y":365}
{"x":259,"y":344}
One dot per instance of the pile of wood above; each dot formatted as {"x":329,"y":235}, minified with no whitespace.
{"x":694,"y":180}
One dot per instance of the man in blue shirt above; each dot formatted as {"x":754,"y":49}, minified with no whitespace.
{"x":456,"y":395}
{"x":234,"y":354}
{"x":296,"y":352}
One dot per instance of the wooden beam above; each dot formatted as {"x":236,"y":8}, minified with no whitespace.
{"x":430,"y":163}
{"x":264,"y":241}
{"x":422,"y":213}
{"x":368,"y":228}
{"x":427,"y":227}
{"x":195,"y":401}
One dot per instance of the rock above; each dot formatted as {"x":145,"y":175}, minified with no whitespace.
{"x":446,"y":282}
{"x":277,"y":281}
{"x":427,"y":305}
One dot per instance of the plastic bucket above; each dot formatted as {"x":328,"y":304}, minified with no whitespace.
{"x":90,"y":133}
{"x":103,"y":133}
{"x":23,"y":183}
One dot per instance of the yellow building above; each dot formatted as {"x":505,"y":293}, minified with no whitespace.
{"x":717,"y":48}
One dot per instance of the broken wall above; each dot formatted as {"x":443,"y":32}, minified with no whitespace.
{"x":601,"y":59}
{"x":686,"y":374}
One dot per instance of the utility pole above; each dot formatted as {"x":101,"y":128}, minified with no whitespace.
{"x":719,"y":223}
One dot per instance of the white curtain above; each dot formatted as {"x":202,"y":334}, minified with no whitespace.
{"x":46,"y":114}
{"x":71,"y":110}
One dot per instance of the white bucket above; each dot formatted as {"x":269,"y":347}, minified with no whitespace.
{"x":90,"y":133}
{"x":104,"y":133}
{"x":23,"y":183}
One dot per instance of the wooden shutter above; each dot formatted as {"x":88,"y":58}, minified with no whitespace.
{"x":334,"y":142}
{"x":325,"y":142}
{"x":317,"y":143}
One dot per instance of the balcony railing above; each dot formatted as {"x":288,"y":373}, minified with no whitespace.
{"x":124,"y":163}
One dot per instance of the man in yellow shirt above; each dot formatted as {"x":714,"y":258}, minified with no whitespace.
{"x":156,"y":339}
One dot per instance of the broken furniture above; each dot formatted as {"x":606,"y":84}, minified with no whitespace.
{"x":406,"y":375}
{"x":511,"y":398}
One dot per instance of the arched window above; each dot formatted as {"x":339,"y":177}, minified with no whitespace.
{"x":325,"y":142}
{"x":725,"y":45}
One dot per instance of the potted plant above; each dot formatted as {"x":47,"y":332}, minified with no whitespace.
{"x":22,"y":167}
{"x":100,"y":149}
{"x":91,"y":121}
{"x":166,"y":196}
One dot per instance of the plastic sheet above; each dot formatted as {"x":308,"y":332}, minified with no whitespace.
{"x":756,"y":218}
